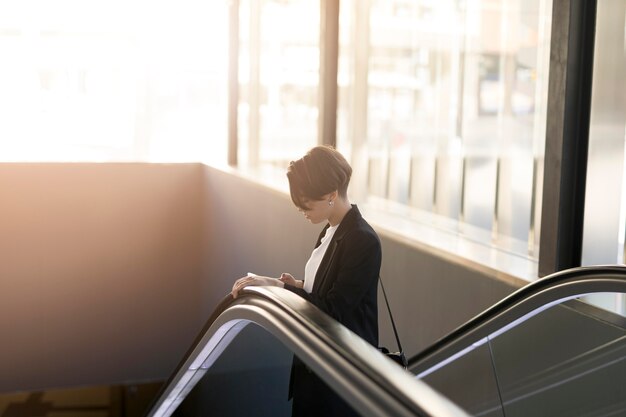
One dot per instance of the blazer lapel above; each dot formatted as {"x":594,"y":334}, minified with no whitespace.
{"x":327,"y":261}
{"x":322,"y":270}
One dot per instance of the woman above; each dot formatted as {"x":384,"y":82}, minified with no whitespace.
{"x":341,"y":276}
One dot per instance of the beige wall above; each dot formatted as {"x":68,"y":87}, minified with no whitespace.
{"x":108,"y":271}
{"x":101,"y":269}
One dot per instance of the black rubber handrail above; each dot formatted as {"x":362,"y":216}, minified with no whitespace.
{"x":373,"y":384}
{"x":550,"y":289}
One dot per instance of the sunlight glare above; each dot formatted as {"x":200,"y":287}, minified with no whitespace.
{"x":113,"y":81}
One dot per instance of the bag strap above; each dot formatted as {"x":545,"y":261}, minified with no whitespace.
{"x":393,"y":323}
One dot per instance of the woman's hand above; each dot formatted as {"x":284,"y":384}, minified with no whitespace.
{"x":254,"y":280}
{"x":289,"y":279}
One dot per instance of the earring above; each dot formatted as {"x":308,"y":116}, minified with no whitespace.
{"x":331,"y":203}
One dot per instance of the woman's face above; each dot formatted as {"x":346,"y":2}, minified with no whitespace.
{"x":318,"y":210}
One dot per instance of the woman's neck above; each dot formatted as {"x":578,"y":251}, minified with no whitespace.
{"x":342,"y":207}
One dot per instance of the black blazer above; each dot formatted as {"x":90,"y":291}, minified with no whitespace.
{"x":346,"y":282}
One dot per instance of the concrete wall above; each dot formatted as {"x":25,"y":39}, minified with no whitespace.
{"x":430,"y":296}
{"x":101,"y":269}
{"x":252,"y":229}
{"x":108,"y":271}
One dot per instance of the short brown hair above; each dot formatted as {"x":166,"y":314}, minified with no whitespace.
{"x":321,"y":171}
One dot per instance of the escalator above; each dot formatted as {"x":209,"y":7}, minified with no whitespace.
{"x":545,"y":350}
{"x":240,"y":364}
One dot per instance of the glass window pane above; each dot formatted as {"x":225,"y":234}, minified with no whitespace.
{"x":279,"y":78}
{"x":456,"y":97}
{"x":107,"y":82}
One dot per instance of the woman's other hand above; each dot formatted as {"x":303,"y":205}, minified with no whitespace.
{"x":254,"y":280}
{"x":289,"y":279}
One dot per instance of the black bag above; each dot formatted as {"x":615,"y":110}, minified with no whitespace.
{"x":397,"y":357}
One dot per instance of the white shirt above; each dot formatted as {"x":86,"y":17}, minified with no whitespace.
{"x":313,"y":264}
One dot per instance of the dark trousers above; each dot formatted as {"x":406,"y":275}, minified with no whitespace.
{"x":312,"y":397}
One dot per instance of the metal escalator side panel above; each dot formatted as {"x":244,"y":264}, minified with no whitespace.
{"x":369,"y":382}
{"x":547,"y":353}
{"x":518,"y":307}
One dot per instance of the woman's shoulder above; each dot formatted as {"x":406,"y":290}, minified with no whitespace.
{"x":364,"y":229}
{"x":360,"y":229}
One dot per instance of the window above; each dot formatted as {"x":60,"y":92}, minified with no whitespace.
{"x":113,"y":81}
{"x":278,"y":80}
{"x":453,"y":127}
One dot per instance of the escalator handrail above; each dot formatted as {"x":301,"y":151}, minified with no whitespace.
{"x":543,"y":292}
{"x":395,"y":388}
